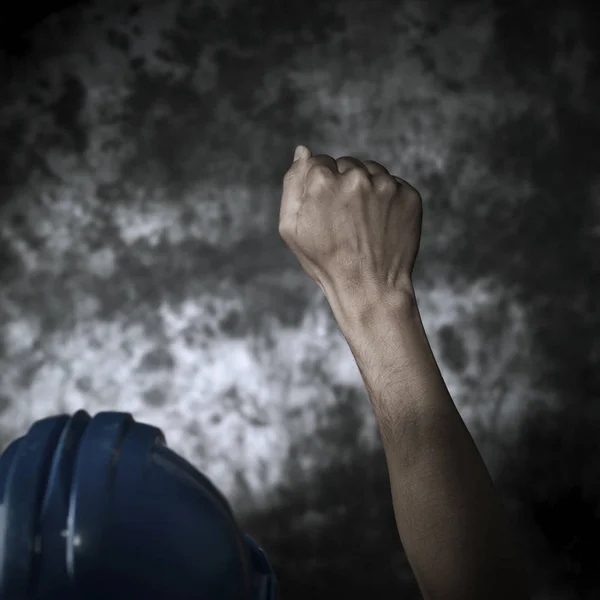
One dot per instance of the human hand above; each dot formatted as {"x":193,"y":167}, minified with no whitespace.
{"x":354,"y":227}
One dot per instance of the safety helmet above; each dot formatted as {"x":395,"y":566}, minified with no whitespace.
{"x":101,"y":509}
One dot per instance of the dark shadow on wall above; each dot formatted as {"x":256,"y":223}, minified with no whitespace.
{"x":555,"y":466}
{"x":352,"y":551}
{"x":548,"y":251}
{"x":333,"y":535}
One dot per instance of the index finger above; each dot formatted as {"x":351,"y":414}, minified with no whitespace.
{"x":295,"y":177}
{"x":304,"y":161}
{"x":292,"y":175}
{"x":293,"y":181}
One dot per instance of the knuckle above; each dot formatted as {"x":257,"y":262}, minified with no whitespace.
{"x":357,"y":178}
{"x":416,"y":205}
{"x":409,"y":192}
{"x":285,"y":233}
{"x":414,"y":196}
{"x":385,"y":183}
{"x":284,"y":222}
{"x":284,"y":226}
{"x":319,"y":172}
{"x":377,"y":168}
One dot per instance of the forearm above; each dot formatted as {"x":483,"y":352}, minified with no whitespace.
{"x":454,"y":530}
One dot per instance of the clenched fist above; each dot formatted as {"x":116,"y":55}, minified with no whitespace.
{"x":354,"y":227}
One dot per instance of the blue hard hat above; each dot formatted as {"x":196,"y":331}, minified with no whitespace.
{"x":101,"y":509}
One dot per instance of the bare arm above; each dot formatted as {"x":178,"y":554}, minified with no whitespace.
{"x":454,"y":530}
{"x":355,"y":229}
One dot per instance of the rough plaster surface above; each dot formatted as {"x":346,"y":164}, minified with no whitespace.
{"x":141,"y":266}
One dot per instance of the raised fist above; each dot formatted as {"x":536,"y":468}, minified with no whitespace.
{"x":354,"y":227}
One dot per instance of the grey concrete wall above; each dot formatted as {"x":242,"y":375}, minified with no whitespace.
{"x":142,"y":151}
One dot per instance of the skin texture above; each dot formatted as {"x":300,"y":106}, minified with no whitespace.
{"x":355,"y":230}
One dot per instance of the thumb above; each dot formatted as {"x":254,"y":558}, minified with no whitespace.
{"x":302,"y":152}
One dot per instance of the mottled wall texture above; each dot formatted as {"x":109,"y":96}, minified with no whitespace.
{"x":142,"y":150}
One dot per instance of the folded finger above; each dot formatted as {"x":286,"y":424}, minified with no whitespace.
{"x":375,"y":168}
{"x":345,"y":163}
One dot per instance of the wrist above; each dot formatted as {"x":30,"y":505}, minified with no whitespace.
{"x":390,"y":346}
{"x":370,"y":308}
